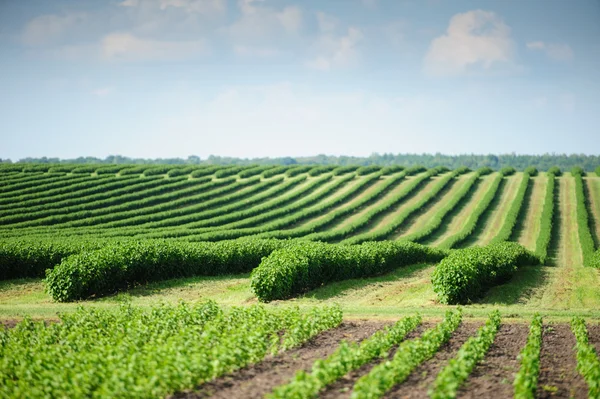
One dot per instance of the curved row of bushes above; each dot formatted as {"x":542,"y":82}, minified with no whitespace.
{"x":546,"y":221}
{"x":304,"y":266}
{"x":466,"y":274}
{"x":591,"y":257}
{"x":515,"y":210}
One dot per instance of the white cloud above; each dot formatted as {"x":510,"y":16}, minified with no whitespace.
{"x":47,"y":29}
{"x":190,"y":6}
{"x":474,"y":38}
{"x":259,"y":22}
{"x":327,"y":23}
{"x":255,"y":51}
{"x":127,"y":47}
{"x":555,"y":51}
{"x":337,"y":51}
{"x":103,"y":91}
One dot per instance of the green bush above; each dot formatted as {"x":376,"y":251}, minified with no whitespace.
{"x":303,"y":266}
{"x":342,"y":170}
{"x":296,"y":170}
{"x":531,"y":171}
{"x":507,"y":171}
{"x":319,"y":170}
{"x":275,"y":171}
{"x":121,"y":265}
{"x":577,"y":171}
{"x":598,"y":171}
{"x":485,"y":171}
{"x":466,"y":274}
{"x":413,"y":170}
{"x":367,"y":170}
{"x":555,"y":170}
{"x":388,"y":170}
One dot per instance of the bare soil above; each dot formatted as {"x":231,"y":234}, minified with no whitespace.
{"x":558,"y":365}
{"x":418,"y":383}
{"x":594,"y":336}
{"x":343,"y":387}
{"x":494,"y":376}
{"x":259,"y":379}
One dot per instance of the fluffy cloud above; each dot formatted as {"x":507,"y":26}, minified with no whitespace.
{"x":47,"y":29}
{"x":327,"y":23}
{"x":127,"y":47}
{"x":555,"y":51}
{"x":337,"y":51}
{"x":475,"y":38}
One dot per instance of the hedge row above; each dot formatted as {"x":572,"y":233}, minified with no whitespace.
{"x":546,"y":221}
{"x":367,"y":170}
{"x":121,"y":265}
{"x":471,"y":223}
{"x":515,"y":210}
{"x":303,"y":266}
{"x":590,"y":257}
{"x":466,"y":274}
{"x":274,"y":171}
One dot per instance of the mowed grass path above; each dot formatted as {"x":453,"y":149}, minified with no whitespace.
{"x":593,"y":190}
{"x":492,"y":219}
{"x":421,"y":218}
{"x":529,"y":229}
{"x":455,"y":223}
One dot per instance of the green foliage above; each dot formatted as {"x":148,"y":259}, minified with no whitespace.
{"x":408,"y":356}
{"x":367,"y":170}
{"x":347,"y":357}
{"x":507,"y":171}
{"x":577,"y":171}
{"x":543,"y":241}
{"x":449,"y":380}
{"x":588,"y":363}
{"x":485,"y":171}
{"x":531,"y":171}
{"x":342,"y":170}
{"x":296,"y":170}
{"x":388,"y":170}
{"x":121,"y":265}
{"x":230,"y":171}
{"x":515,"y":210}
{"x":137,"y":353}
{"x":319,"y":170}
{"x":466,"y":274}
{"x":598,"y":171}
{"x":158,"y":170}
{"x":555,"y":170}
{"x":111,"y":170}
{"x":206,"y":171}
{"x":275,"y":171}
{"x":585,"y":235}
{"x":413,"y":170}
{"x":303,"y":266}
{"x":526,"y":380}
{"x":471,"y":223}
{"x":133,"y":170}
{"x":60,"y":169}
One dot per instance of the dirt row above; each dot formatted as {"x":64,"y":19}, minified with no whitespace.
{"x":493,"y":377}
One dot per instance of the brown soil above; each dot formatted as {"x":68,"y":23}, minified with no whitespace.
{"x":9,"y":323}
{"x":594,"y":336}
{"x":558,"y":365}
{"x":494,"y":376}
{"x":343,"y":387}
{"x":259,"y":379}
{"x":420,"y":380}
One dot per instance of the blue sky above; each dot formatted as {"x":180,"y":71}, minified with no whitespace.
{"x":254,"y":78}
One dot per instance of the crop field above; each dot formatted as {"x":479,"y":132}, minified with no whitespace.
{"x":298,"y":282}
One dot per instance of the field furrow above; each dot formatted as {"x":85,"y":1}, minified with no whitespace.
{"x":491,"y":221}
{"x":527,"y":232}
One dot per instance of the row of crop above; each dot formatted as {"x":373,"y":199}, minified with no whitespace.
{"x":591,"y":258}
{"x":113,"y":194}
{"x":441,"y":216}
{"x":466,"y":274}
{"x":588,"y":363}
{"x":542,"y":243}
{"x":224,"y":209}
{"x":405,"y":212}
{"x":152,"y":353}
{"x":526,"y":380}
{"x":409,"y":355}
{"x":454,"y":374}
{"x":67,"y":188}
{"x":22,"y":189}
{"x":30,"y":178}
{"x":471,"y":222}
{"x":77,"y":197}
{"x":346,"y":358}
{"x":412,"y":187}
{"x":239,"y":215}
{"x":130,"y":208}
{"x":303,"y":266}
{"x":515,"y":211}
{"x":277,"y":228}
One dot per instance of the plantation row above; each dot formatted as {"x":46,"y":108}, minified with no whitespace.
{"x":168,"y":349}
{"x":332,"y":206}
